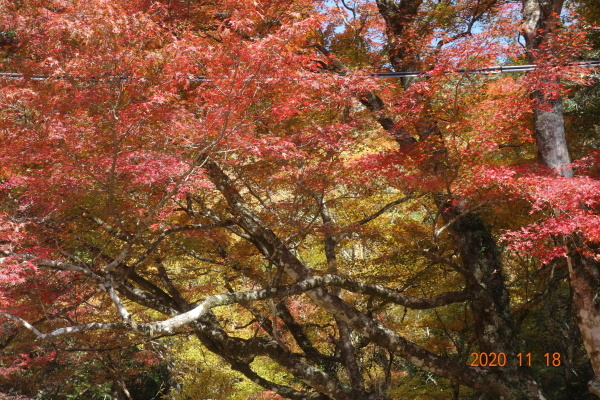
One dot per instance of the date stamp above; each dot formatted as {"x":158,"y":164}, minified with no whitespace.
{"x":492,"y":359}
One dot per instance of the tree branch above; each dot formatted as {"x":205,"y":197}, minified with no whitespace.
{"x":382,"y":210}
{"x":172,"y":324}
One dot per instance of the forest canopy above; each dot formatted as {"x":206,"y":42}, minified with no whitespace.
{"x":300,"y":199}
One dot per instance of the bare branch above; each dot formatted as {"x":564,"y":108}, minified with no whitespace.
{"x":459,"y":216}
{"x":45,"y":263}
{"x":172,"y":324}
{"x":168,"y":284}
{"x":382,"y":210}
{"x":62,"y":331}
{"x":125,"y":315}
{"x":107,"y":227}
{"x":22,"y":322}
{"x":150,"y":249}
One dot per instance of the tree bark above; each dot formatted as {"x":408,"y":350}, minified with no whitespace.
{"x":541,"y":20}
{"x":494,"y":325}
{"x":507,"y":383}
{"x":585,"y":290}
{"x":550,"y":134}
{"x":483,"y":270}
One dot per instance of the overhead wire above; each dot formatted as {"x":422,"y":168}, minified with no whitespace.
{"x":498,"y":69}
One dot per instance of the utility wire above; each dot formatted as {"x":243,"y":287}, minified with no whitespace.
{"x":499,"y":69}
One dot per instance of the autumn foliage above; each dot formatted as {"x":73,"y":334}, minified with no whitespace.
{"x":187,"y":184}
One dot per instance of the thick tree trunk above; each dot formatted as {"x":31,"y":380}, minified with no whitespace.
{"x":482,"y":266}
{"x":585,"y":289}
{"x":550,"y":134}
{"x":494,"y":326}
{"x":541,"y":19}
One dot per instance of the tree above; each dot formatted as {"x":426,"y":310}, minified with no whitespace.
{"x":163,"y":162}
{"x":542,"y":25}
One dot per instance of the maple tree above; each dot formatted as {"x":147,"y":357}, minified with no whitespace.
{"x":230,"y":170}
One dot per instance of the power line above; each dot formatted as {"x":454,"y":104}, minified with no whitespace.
{"x":499,"y":69}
